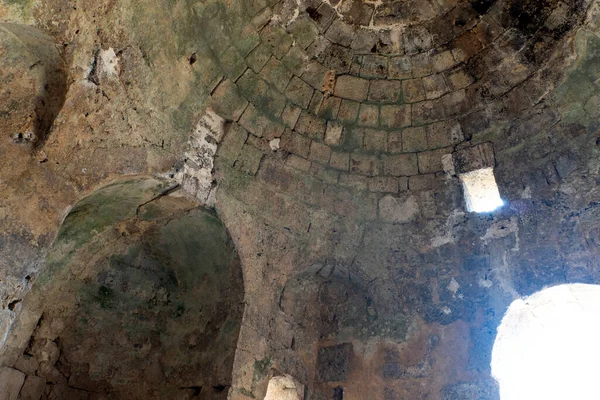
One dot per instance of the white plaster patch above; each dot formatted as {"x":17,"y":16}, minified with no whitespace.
{"x":485,"y":283}
{"x":446,"y":310}
{"x":108,"y":62}
{"x":398,"y":210}
{"x":274,"y":144}
{"x":196,"y":177}
{"x":500,"y":229}
{"x":448,"y":164}
{"x":453,"y":286}
{"x":448,"y":234}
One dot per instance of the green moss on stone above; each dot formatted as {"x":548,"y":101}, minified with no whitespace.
{"x":261,"y":368}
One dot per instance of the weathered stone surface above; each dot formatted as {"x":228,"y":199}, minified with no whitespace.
{"x":345,"y":233}
{"x":34,"y":83}
{"x":333,"y":363}
{"x":398,"y":210}
{"x":352,"y":88}
{"x":33,"y":388}
{"x":11,"y":382}
{"x":475,"y":157}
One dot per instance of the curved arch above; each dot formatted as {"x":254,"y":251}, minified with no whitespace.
{"x":141,"y":297}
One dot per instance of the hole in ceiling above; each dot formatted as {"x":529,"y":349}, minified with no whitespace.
{"x":481,"y":191}
{"x":547,"y":345}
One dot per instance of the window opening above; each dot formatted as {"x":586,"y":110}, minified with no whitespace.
{"x":481,"y":191}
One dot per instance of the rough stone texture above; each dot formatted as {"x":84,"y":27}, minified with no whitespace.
{"x":11,"y":381}
{"x":33,"y":80}
{"x":351,"y":232}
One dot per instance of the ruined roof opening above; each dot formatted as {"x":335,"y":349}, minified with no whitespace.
{"x":547,"y":345}
{"x":481,"y":191}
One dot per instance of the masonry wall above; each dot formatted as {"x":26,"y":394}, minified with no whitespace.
{"x":364,"y":275}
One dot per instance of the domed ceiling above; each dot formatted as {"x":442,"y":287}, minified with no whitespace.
{"x":329,"y":136}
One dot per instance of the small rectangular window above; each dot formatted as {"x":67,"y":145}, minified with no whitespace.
{"x":481,"y":190}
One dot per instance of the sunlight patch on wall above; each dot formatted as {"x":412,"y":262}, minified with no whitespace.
{"x":547,"y":345}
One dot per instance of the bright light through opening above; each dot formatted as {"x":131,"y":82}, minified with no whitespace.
{"x":548,"y":346}
{"x":284,"y":388}
{"x":481,"y":190}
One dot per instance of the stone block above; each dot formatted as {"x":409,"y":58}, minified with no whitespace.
{"x":383,"y":184}
{"x":422,"y":182}
{"x":364,"y":40}
{"x":427,"y":112}
{"x":298,"y":163}
{"x":348,"y":111}
{"x":354,"y":138}
{"x":303,"y":30}
{"x":276,"y":74}
{"x":295,"y":143}
{"x":443,"y":61}
{"x":227,"y":100}
{"x":431,"y":161}
{"x":233,"y":64}
{"x":254,"y":121}
{"x":475,"y":157}
{"x":330,"y":107}
{"x":340,"y":160}
{"x":290,"y":115}
{"x":259,"y":92}
{"x":444,"y":134}
{"x":413,"y":90}
{"x":400,"y":68}
{"x":340,"y":32}
{"x":33,"y":388}
{"x":414,"y":139}
{"x":276,"y":37}
{"x":249,"y":159}
{"x":358,"y":182}
{"x":393,"y":116}
{"x":395,"y":142}
{"x":258,"y":57}
{"x":435,"y":86}
{"x":374,"y":66}
{"x":375,"y":140}
{"x":314,"y":74}
{"x":11,"y":382}
{"x":299,"y":92}
{"x":295,"y":60}
{"x":364,"y":164}
{"x":459,"y":79}
{"x":324,"y":173}
{"x":352,"y":88}
{"x":333,"y":363}
{"x":385,"y":91}
{"x":368,"y":115}
{"x":315,"y":102}
{"x":319,"y":152}
{"x":333,"y":133}
{"x":401,"y":165}
{"x":311,"y":126}
{"x":421,"y":65}
{"x":417,"y":39}
{"x":398,"y":210}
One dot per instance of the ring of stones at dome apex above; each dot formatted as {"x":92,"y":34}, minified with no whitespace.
{"x":388,"y":13}
{"x":362,"y":102}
